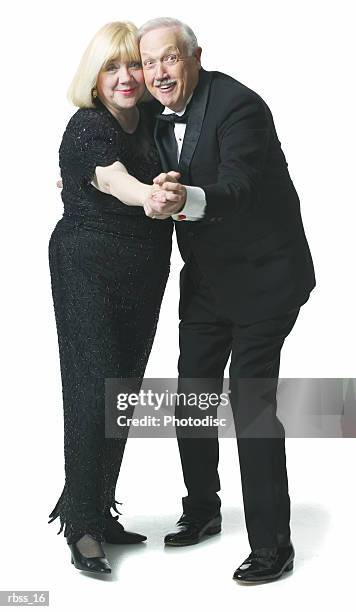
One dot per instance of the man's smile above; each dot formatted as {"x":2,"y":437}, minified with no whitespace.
{"x":166,"y":86}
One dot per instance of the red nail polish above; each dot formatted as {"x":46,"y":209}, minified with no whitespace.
{"x":182,"y":217}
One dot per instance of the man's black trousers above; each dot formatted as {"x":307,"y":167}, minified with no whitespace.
{"x":206,"y":341}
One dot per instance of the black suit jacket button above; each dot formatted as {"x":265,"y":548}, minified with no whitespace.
{"x":219,"y":218}
{"x":212,"y":218}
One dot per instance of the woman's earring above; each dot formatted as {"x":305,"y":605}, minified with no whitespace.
{"x":94,"y":93}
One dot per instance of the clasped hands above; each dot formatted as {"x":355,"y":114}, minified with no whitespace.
{"x":167,"y":196}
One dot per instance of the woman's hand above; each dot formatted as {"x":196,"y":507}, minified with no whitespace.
{"x":154,"y":195}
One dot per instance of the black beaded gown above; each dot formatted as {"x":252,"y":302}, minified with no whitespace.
{"x":109,"y":265}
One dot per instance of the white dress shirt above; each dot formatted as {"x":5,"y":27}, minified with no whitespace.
{"x":194,"y":208}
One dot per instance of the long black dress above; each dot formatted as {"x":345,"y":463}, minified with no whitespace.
{"x":109,"y":266}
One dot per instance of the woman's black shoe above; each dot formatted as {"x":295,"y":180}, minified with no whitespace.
{"x":115,"y":533}
{"x":89,"y":564}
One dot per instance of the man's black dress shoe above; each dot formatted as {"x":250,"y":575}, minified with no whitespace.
{"x":89,"y":564}
{"x":265,"y":565}
{"x":115,"y":533}
{"x":191,"y":530}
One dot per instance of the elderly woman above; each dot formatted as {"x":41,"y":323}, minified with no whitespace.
{"x":109,"y":264}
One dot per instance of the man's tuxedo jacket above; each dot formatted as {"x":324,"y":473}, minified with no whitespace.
{"x":250,"y":246}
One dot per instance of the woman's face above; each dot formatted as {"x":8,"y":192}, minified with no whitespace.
{"x":121,"y":84}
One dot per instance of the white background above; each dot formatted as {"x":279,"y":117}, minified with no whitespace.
{"x":298,"y":57}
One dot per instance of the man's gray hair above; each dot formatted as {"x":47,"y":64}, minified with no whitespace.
{"x":187,"y":33}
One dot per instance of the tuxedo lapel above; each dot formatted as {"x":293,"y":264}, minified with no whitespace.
{"x":161,"y":151}
{"x":158,"y":140}
{"x":197,"y":107}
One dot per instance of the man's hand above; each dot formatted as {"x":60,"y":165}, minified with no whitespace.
{"x":167,"y":196}
{"x":165,"y":177}
{"x":167,"y":201}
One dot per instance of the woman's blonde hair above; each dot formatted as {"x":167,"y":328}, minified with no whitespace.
{"x":116,"y":39}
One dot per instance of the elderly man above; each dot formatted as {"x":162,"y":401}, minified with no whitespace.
{"x":247,"y":271}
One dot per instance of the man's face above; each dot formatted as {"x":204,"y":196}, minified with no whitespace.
{"x":171,"y":83}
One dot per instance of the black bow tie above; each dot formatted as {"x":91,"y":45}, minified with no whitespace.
{"x":173,"y":118}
